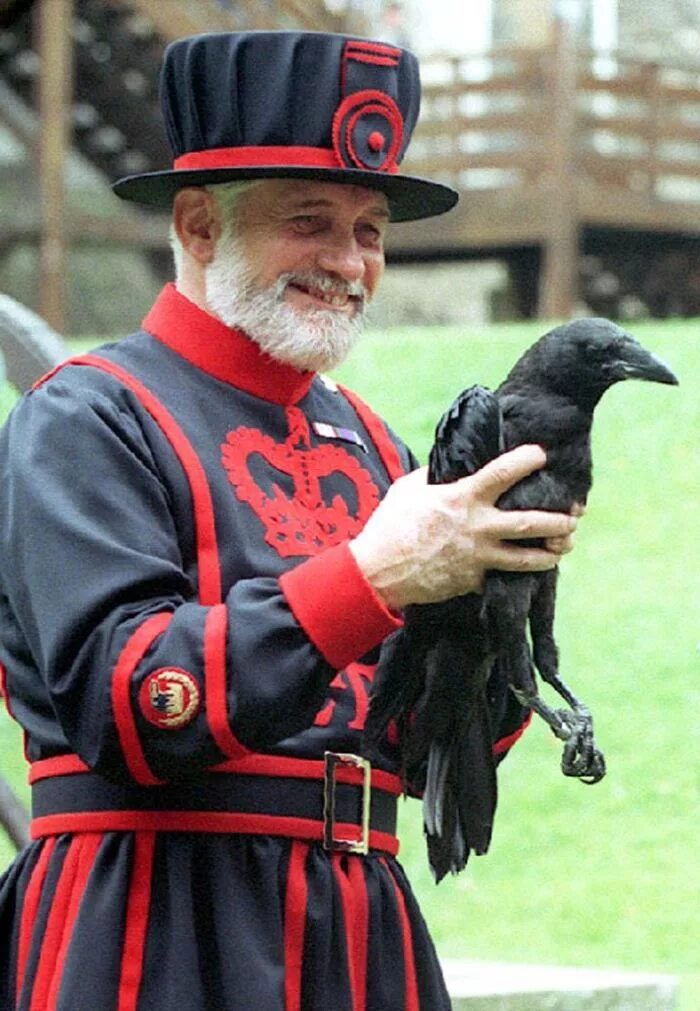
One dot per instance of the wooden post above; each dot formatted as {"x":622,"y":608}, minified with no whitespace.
{"x":55,"y":91}
{"x":558,"y":279}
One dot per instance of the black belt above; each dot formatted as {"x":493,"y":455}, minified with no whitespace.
{"x":344,"y":816}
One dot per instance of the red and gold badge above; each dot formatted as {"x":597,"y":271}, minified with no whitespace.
{"x":169,"y":698}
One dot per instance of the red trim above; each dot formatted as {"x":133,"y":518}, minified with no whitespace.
{"x":505,"y":743}
{"x":60,"y":765}
{"x":350,"y":879}
{"x":215,"y":682}
{"x":295,"y":903}
{"x":207,"y":550}
{"x":308,"y":768}
{"x":256,"y":157}
{"x":30,"y":908}
{"x":53,"y":935}
{"x":411,"y":998}
{"x":340,"y":612}
{"x":221,"y":352}
{"x":218,"y":822}
{"x":357,"y":46}
{"x":381,"y":61}
{"x":250,"y":765}
{"x":376,"y":429}
{"x":130,"y":657}
{"x":89,"y":846}
{"x":136,"y":927}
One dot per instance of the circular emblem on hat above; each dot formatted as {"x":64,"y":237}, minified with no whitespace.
{"x":169,"y":698}
{"x":367,"y":131}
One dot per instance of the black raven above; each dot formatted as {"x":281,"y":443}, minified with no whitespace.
{"x":436,"y":673}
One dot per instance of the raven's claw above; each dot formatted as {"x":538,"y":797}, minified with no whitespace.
{"x":581,"y":758}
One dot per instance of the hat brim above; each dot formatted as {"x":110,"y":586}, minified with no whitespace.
{"x":410,"y":198}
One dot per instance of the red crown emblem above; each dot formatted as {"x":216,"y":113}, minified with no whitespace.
{"x":305,"y":523}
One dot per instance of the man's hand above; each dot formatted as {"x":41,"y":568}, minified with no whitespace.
{"x":425,"y":543}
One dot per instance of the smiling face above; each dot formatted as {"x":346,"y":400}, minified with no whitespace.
{"x":290,"y":226}
{"x":299,"y":266}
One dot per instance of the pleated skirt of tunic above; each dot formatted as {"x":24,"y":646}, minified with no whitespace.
{"x":144,"y":921}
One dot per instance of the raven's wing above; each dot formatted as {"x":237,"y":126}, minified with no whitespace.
{"x":467,"y":436}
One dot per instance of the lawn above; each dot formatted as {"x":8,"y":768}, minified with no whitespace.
{"x":603,"y":875}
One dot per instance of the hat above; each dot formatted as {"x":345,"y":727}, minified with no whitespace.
{"x":299,"y":105}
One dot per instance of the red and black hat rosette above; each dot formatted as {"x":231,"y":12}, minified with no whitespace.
{"x":255,"y":105}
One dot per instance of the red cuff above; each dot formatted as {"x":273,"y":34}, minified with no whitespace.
{"x":338,"y":609}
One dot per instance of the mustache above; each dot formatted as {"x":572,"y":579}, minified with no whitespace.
{"x":327,"y":283}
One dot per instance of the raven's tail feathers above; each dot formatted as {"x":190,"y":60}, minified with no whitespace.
{"x":459,"y":802}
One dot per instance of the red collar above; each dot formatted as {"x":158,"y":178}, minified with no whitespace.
{"x":224,"y":353}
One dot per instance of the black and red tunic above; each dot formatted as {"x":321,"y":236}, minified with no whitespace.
{"x":183,"y":635}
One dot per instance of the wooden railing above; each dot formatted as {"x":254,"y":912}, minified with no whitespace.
{"x":175,"y":19}
{"x":512,"y":118}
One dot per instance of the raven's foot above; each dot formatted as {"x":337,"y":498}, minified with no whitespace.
{"x":581,"y":758}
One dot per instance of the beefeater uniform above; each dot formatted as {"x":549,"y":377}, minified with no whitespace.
{"x":188,"y":644}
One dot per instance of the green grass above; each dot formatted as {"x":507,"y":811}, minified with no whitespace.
{"x":605,"y":875}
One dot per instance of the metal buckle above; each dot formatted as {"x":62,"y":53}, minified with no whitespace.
{"x":332,"y":760}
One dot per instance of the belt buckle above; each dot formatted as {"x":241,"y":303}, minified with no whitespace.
{"x":332,"y":759}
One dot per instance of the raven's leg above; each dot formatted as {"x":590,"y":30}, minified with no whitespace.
{"x":507,"y":603}
{"x":581,"y":757}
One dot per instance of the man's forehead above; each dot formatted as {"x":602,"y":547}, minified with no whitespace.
{"x":306,"y":195}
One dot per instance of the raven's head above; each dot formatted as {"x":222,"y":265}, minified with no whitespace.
{"x":582,"y":359}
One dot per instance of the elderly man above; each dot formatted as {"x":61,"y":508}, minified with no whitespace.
{"x":203,"y":544}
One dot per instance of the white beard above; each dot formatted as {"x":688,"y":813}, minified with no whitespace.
{"x":311,"y":340}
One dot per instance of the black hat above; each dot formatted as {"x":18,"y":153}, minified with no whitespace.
{"x":303,"y":105}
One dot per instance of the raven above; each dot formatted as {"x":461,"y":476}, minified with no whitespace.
{"x":436,"y":673}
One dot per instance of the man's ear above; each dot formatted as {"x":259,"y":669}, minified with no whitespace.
{"x":197,"y":222}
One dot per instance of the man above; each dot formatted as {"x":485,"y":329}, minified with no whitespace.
{"x":203,"y":544}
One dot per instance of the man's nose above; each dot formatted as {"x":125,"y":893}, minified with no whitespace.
{"x":341,"y":254}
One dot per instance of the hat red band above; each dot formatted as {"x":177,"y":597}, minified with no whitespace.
{"x":256,"y":157}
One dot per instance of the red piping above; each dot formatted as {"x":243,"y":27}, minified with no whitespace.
{"x":136,"y":927}
{"x":295,"y":904}
{"x":207,"y":550}
{"x":30,"y":909}
{"x":89,"y":846}
{"x":376,"y":430}
{"x":130,"y":657}
{"x":215,"y":682}
{"x":218,"y":822}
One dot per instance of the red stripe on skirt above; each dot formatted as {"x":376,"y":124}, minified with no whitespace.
{"x":53,"y":935}
{"x":294,"y":925}
{"x":215,"y":682}
{"x":411,"y":999}
{"x":30,"y":908}
{"x":89,"y":846}
{"x":137,"y":908}
{"x":353,"y":896}
{"x":130,"y":657}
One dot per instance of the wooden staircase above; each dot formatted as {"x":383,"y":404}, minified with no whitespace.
{"x":118,"y":46}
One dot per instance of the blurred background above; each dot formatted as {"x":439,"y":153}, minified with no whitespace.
{"x":571,"y":128}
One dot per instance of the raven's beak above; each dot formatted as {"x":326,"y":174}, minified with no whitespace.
{"x":636,"y":362}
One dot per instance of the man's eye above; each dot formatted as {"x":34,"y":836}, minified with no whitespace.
{"x":308,"y":223}
{"x":369,"y":235}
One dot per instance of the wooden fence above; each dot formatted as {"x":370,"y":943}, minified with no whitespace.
{"x":544,"y":142}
